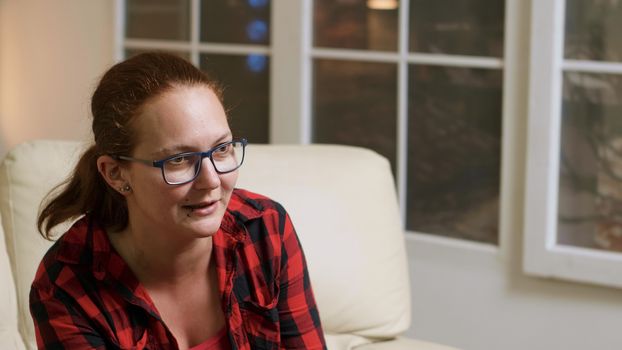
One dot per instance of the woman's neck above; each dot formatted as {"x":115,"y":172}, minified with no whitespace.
{"x":158,"y":261}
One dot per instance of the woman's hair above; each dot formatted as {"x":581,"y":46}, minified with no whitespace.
{"x":119,"y":97}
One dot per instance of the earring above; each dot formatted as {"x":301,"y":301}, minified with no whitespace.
{"x":125,"y":188}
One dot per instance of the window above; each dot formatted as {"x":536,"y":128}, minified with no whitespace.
{"x":228,"y":39}
{"x":419,"y":82}
{"x":573,"y":215}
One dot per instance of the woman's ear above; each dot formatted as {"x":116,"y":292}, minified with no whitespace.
{"x":113,"y":174}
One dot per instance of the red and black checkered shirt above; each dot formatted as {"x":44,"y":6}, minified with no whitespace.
{"x":85,"y":296}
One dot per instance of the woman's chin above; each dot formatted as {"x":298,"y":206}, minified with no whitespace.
{"x":204,"y":222}
{"x":203,"y":227}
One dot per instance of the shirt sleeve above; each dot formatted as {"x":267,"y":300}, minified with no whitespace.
{"x":298,"y":314}
{"x":57,"y":323}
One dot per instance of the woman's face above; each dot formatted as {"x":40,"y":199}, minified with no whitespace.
{"x":184,"y":119}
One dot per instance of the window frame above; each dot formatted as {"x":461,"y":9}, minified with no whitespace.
{"x":542,"y":255}
{"x":402,"y":57}
{"x":291,"y":54}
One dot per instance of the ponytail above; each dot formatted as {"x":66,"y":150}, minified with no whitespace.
{"x":84,"y":192}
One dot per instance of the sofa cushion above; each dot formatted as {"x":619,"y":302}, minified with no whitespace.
{"x":27,"y":173}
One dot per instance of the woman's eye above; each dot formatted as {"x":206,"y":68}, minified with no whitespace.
{"x":178,"y":160}
{"x":223,"y":149}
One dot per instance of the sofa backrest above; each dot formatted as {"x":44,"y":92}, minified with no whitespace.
{"x":343,"y":204}
{"x":341,"y":199}
{"x":27,"y":174}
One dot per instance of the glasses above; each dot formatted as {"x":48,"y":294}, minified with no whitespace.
{"x":182,"y":168}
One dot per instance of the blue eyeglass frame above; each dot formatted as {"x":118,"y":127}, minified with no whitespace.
{"x":203,"y":155}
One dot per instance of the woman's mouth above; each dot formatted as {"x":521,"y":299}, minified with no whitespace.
{"x":201,"y":208}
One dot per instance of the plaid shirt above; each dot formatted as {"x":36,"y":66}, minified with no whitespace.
{"x":85,"y":296}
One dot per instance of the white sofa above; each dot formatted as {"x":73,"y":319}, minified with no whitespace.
{"x":341,"y":200}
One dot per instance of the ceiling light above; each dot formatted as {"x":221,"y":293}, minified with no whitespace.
{"x":382,"y":4}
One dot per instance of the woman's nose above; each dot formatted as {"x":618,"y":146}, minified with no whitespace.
{"x":208,"y":176}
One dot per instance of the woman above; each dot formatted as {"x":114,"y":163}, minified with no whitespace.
{"x":166,"y":253}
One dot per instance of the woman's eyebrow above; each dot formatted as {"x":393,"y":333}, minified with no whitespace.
{"x":169,"y":151}
{"x":182,"y":148}
{"x":224,"y":138}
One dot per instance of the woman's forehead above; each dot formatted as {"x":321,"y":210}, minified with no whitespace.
{"x":182,"y":116}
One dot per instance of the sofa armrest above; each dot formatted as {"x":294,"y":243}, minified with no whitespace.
{"x":402,"y":343}
{"x":357,"y":342}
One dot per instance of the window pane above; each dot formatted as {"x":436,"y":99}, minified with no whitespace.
{"x":246,"y":83}
{"x":354,"y":103}
{"x":590,"y":179}
{"x":134,"y":52}
{"x":356,"y":24}
{"x":593,"y":30}
{"x":454,"y":150}
{"x":235,"y":21}
{"x":158,"y":19}
{"x":460,"y":27}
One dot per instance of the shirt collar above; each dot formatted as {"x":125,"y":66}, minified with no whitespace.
{"x":86,"y":244}
{"x":241,"y":209}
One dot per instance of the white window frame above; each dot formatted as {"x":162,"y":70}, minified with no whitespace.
{"x":542,"y":255}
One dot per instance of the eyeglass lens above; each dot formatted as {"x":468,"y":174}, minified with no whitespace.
{"x":185,"y":168}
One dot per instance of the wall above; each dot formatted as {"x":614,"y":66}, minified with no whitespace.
{"x":51,"y":54}
{"x":473,"y":298}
